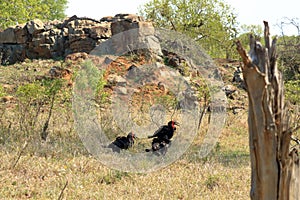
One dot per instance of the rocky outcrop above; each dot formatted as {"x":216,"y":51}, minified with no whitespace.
{"x":57,"y":39}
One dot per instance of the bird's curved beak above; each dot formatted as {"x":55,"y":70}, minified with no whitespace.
{"x":176,"y":123}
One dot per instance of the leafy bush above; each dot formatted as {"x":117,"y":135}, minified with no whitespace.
{"x":292,"y":92}
{"x":32,"y":99}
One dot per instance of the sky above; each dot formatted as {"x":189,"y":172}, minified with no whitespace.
{"x":248,"y":11}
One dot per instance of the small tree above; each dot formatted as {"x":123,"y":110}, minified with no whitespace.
{"x":289,"y":48}
{"x":275,"y":167}
{"x":212,"y":23}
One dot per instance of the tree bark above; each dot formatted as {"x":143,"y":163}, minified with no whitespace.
{"x":275,"y":168}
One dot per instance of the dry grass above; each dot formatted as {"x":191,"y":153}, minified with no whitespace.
{"x":42,"y":170}
{"x":44,"y":178}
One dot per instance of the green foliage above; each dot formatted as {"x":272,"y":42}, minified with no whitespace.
{"x":168,"y":101}
{"x":289,"y":57}
{"x":255,"y":30}
{"x":210,"y":22}
{"x":101,"y":95}
{"x":86,"y":79}
{"x":2,"y":92}
{"x":292,"y":92}
{"x":203,"y":91}
{"x":246,"y":30}
{"x":212,"y":181}
{"x":90,"y":83}
{"x":52,"y":86}
{"x":19,"y":11}
{"x":38,"y":91}
{"x":32,"y":99}
{"x":113,"y":177}
{"x":30,"y":91}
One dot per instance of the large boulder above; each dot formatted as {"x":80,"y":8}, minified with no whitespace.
{"x":35,"y":26}
{"x":79,"y":43}
{"x":40,"y":46}
{"x":21,"y":35}
{"x":8,"y":36}
{"x":98,"y":32}
{"x":131,"y":35}
{"x":16,"y":35}
{"x":11,"y":53}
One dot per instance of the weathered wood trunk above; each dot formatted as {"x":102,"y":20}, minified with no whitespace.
{"x":275,"y":171}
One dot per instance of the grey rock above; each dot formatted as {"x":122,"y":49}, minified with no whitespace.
{"x":35,"y":26}
{"x":121,"y":90}
{"x":61,"y":38}
{"x":8,"y":36}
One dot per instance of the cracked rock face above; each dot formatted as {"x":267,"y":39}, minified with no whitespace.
{"x":37,"y":39}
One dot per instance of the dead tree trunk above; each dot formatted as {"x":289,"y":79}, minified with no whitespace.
{"x":275,"y":171}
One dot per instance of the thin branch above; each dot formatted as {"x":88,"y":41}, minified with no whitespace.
{"x":44,"y":133}
{"x":295,"y":129}
{"x":20,"y":154}
{"x":62,"y":191}
{"x":295,"y":140}
{"x":202,"y":115}
{"x":173,"y":26}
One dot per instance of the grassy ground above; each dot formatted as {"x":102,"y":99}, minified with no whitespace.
{"x":42,"y":173}
{"x":61,"y":167}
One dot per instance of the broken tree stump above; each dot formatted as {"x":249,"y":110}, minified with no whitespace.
{"x":275,"y":171}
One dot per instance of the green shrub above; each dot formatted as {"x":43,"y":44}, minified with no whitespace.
{"x":32,"y":100}
{"x":292,"y":91}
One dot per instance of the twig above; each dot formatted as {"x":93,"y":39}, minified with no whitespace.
{"x":62,"y":191}
{"x":44,"y":133}
{"x":173,"y":26}
{"x":295,"y":140}
{"x":202,"y":115}
{"x":20,"y":154}
{"x":295,"y":129}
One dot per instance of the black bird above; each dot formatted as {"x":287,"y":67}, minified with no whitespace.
{"x":162,"y":137}
{"x":165,"y":132}
{"x":159,"y":146}
{"x":122,"y":142}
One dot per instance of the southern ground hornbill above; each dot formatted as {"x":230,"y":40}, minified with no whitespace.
{"x":122,"y":142}
{"x":162,"y":138}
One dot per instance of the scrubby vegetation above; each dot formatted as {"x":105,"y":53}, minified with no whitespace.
{"x":43,"y":157}
{"x":39,"y":166}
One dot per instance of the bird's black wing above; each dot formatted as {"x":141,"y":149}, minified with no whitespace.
{"x":121,"y":142}
{"x":161,"y":132}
